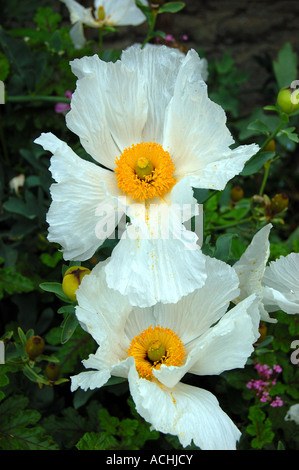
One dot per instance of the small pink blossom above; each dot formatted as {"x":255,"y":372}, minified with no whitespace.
{"x":64,"y":107}
{"x":262,"y":386}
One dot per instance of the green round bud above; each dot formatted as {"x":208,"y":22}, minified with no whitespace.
{"x":278,"y":203}
{"x":72,"y":280}
{"x":288,"y":100}
{"x":34,"y":347}
{"x":236,"y":193}
{"x":52,"y":371}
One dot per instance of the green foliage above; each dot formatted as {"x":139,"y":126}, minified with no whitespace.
{"x":260,"y":428}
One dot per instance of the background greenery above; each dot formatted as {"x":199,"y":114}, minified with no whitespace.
{"x":39,"y":412}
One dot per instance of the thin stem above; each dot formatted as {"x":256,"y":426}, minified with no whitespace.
{"x":233,"y":224}
{"x":266,"y":173}
{"x":281,"y":124}
{"x":24,"y":98}
{"x":151,"y":28}
{"x":100,"y":43}
{"x":267,"y":164}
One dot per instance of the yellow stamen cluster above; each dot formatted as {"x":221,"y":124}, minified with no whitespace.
{"x":154,"y":347}
{"x":145,"y":171}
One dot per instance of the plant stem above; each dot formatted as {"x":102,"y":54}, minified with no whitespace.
{"x":152,"y":24}
{"x":266,"y":173}
{"x":233,"y":224}
{"x":100,"y":42}
{"x":24,"y":98}
{"x":268,"y":163}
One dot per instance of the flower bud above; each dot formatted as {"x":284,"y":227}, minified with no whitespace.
{"x":278,"y":203}
{"x":72,"y":280}
{"x":236,"y":193}
{"x":288,"y":100}
{"x":270,"y":147}
{"x":52,"y":371}
{"x":34,"y":347}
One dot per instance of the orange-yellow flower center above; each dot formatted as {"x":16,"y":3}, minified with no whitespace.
{"x":154,"y":347}
{"x":145,"y":171}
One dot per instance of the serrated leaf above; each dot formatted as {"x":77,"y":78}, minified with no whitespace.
{"x":19,"y":429}
{"x":97,"y":441}
{"x":13,"y":282}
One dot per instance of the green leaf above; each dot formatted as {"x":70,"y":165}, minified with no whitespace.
{"x":97,"y":441}
{"x":55,"y":288}
{"x":13,"y":282}
{"x":223,"y":246}
{"x":69,"y":326}
{"x":260,"y":428}
{"x":285,"y":67}
{"x":259,"y":126}
{"x":4,"y":67}
{"x":171,"y":7}
{"x":256,"y":163}
{"x":19,"y":429}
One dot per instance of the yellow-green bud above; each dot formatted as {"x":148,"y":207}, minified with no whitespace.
{"x":34,"y":347}
{"x":270,"y":147}
{"x":278,"y":203}
{"x":236,"y":193}
{"x":288,"y":100}
{"x":72,"y":280}
{"x":52,"y":371}
{"x":156,"y":350}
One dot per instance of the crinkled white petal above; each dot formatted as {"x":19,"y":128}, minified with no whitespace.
{"x":151,"y":270}
{"x":217,"y":173}
{"x":201,"y":150}
{"x":108,"y":109}
{"x":77,"y":35}
{"x":195,"y":313}
{"x":190,"y":413}
{"x":103,"y":312}
{"x":251,"y":267}
{"x":120,"y":12}
{"x":281,"y":284}
{"x":89,"y":380}
{"x":78,"y":13}
{"x":80,"y":205}
{"x":158,"y":67}
{"x":225,"y":346}
{"x":293,"y":413}
{"x":229,"y":343}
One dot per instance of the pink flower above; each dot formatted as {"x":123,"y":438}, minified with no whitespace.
{"x":262,"y":387}
{"x":63,"y":107}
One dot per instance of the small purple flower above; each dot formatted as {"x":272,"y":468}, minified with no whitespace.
{"x":64,"y":107}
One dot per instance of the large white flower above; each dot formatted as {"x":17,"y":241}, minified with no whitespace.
{"x":276,"y":285}
{"x":153,"y":133}
{"x":156,"y":346}
{"x":106,"y":13}
{"x":281,"y":284}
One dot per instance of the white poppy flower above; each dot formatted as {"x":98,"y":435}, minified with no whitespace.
{"x":293,"y":413}
{"x":156,"y":346}
{"x":276,"y":285}
{"x":106,"y":13}
{"x":281,"y":284}
{"x":153,"y":133}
